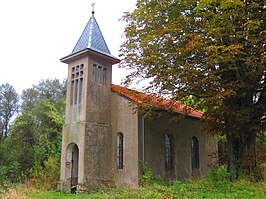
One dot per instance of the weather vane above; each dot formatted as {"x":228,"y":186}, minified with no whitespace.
{"x":92,"y":5}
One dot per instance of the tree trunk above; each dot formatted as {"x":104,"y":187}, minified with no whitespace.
{"x":233,"y":165}
{"x":249,"y":164}
{"x":241,"y":154}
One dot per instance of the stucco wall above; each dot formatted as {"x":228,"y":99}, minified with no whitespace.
{"x":98,"y":106}
{"x":97,"y":161}
{"x":76,"y":112}
{"x":182,"y":131}
{"x":72,"y":134}
{"x":125,"y":121}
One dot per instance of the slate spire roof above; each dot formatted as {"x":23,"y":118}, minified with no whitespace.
{"x":92,"y":38}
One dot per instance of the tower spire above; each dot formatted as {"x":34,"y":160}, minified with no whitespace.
{"x":92,"y":5}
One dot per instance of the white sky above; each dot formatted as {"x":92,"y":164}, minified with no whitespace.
{"x":35,"y":34}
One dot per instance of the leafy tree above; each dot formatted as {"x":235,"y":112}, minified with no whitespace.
{"x":49,"y":89}
{"x":49,"y":122}
{"x":211,"y":50}
{"x":29,"y":98}
{"x":45,"y":102}
{"x":36,"y":133}
{"x":9,"y":104}
{"x":19,"y":146}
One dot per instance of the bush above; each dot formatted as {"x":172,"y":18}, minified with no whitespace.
{"x":218,"y":174}
{"x":9,"y":174}
{"x":4,"y":182}
{"x":45,"y":178}
{"x":146,"y":178}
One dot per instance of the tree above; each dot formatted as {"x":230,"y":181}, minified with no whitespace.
{"x":211,"y":50}
{"x":50,"y":89}
{"x":45,"y":102}
{"x":9,"y":104}
{"x":33,"y":144}
{"x":19,"y":146}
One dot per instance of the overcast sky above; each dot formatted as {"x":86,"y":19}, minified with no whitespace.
{"x":35,"y":34}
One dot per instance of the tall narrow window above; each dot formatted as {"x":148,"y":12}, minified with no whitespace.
{"x":119,"y":151}
{"x":104,"y":76}
{"x":168,"y":152}
{"x":72,"y":92}
{"x":99,"y":74}
{"x":195,"y":153}
{"x":80,"y":90}
{"x":77,"y":84}
{"x":94,"y":73}
{"x":99,"y":78}
{"x":76,"y":91}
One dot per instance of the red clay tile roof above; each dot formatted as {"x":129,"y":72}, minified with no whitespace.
{"x":161,"y":103}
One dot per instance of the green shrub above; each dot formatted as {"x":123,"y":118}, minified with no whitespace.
{"x":9,"y":174}
{"x":46,"y":178}
{"x":14,"y":172}
{"x":218,"y":174}
{"x":4,"y":182}
{"x":146,"y":178}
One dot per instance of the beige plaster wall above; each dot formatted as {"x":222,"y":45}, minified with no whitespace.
{"x":125,"y":121}
{"x":182,"y":131}
{"x":76,"y":112}
{"x":97,"y":159}
{"x":72,"y":134}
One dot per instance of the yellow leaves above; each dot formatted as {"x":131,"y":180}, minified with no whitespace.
{"x":222,"y":52}
{"x":262,"y":32}
{"x":213,"y":48}
{"x":233,"y":50}
{"x":160,"y":31}
{"x":253,"y":24}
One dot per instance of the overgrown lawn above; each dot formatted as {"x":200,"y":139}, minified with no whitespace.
{"x":216,"y":185}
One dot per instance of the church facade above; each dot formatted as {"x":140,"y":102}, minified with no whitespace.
{"x":105,"y":140}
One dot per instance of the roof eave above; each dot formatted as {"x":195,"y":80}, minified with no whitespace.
{"x":67,"y":59}
{"x":191,"y":115}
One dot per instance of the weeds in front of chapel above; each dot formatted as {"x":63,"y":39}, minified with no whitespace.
{"x":216,"y":185}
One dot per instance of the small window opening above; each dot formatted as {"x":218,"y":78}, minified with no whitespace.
{"x":195,"y":153}
{"x":168,"y":152}
{"x":119,"y":151}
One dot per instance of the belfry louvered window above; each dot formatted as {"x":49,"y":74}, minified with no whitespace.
{"x":195,"y":153}
{"x":77,"y":74}
{"x":119,"y":151}
{"x":168,"y":152}
{"x":99,"y":74}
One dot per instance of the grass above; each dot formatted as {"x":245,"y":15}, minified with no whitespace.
{"x":216,"y":185}
{"x":203,"y":188}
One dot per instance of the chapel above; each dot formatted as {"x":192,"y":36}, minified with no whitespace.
{"x":106,"y":140}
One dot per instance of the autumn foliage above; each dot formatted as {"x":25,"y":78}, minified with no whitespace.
{"x":211,"y":50}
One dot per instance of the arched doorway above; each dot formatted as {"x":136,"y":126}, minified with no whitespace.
{"x":73,"y":159}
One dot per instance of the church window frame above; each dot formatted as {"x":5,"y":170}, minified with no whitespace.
{"x":104,"y":76}
{"x":94,"y":72}
{"x":120,"y":151}
{"x":99,"y":74}
{"x":77,"y":75}
{"x":169,"y":152}
{"x":194,"y":153}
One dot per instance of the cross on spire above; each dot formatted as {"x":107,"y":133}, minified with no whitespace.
{"x":92,"y":5}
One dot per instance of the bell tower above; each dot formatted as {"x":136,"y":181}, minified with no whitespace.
{"x":86,"y":136}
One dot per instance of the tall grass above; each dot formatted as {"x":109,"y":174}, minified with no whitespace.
{"x":216,"y":185}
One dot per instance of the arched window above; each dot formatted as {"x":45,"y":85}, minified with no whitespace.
{"x":119,"y":150}
{"x":195,"y":153}
{"x":168,"y":152}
